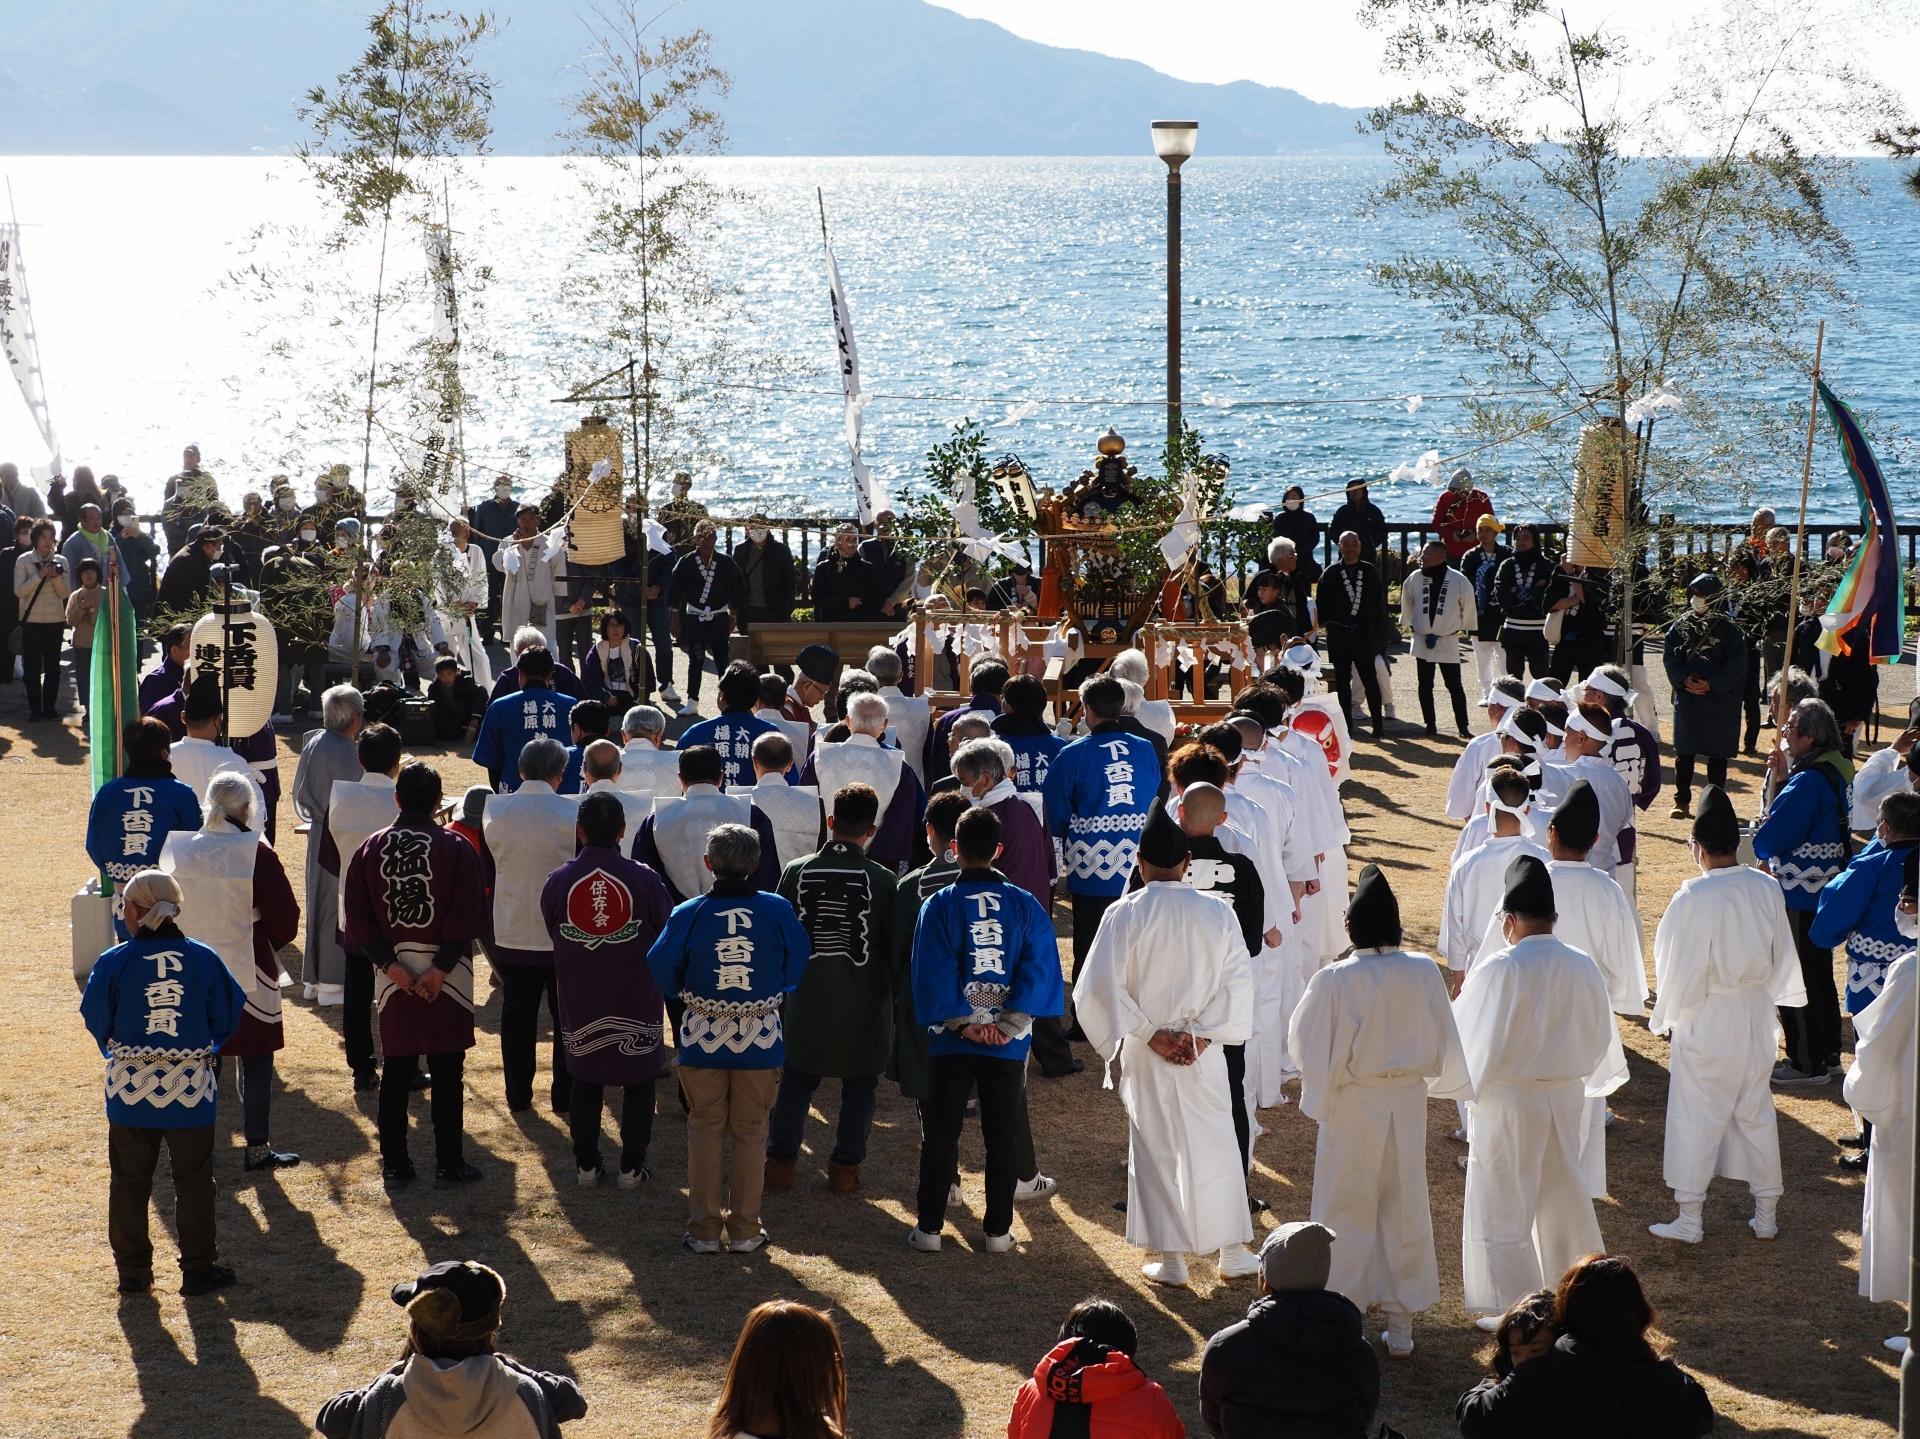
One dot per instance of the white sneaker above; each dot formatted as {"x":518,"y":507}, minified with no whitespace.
{"x":1238,"y":1262}
{"x":634,"y":1178}
{"x":586,"y":1178}
{"x":750,"y":1245}
{"x":1488,"y":1323}
{"x":997,"y":1243}
{"x":701,"y":1246}
{"x":671,"y":696}
{"x":688,"y":709}
{"x":1169,"y":1269}
{"x":1898,"y":1344}
{"x":953,"y":1193}
{"x":926,"y":1243}
{"x":1041,"y":1186}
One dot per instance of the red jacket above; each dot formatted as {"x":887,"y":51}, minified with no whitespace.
{"x":1123,"y":1402}
{"x":1454,"y":516}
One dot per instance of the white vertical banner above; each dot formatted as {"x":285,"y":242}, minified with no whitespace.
{"x":18,"y":340}
{"x":441,"y":403}
{"x":869,"y":495}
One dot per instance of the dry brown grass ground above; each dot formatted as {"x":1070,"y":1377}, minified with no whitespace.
{"x":599,"y":1287}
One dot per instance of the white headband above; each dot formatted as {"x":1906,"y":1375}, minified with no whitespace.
{"x":1509,"y":727}
{"x":1500,"y":697}
{"x":1494,"y":801}
{"x":1606,"y":686}
{"x":1540,"y":690}
{"x":163,"y":910}
{"x":1576,"y":720}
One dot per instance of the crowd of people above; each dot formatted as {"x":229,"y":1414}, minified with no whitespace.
{"x":828,"y":880}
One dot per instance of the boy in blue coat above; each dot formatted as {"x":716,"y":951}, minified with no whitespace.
{"x":731,"y":957}
{"x":160,"y":1007}
{"x":985,"y":966}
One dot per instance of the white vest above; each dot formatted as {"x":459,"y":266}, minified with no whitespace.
{"x":794,"y":813}
{"x":195,"y":761}
{"x":680,"y":829}
{"x":909,"y":718}
{"x":214,"y":869}
{"x":357,"y":810}
{"x":647,"y":770}
{"x":637,"y":806}
{"x":859,"y":760}
{"x":529,"y":833}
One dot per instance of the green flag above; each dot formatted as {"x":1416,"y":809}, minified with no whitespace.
{"x":115,"y":681}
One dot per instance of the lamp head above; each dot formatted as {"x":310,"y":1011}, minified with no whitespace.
{"x":1173,"y":140}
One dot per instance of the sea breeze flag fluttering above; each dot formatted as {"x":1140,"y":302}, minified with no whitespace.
{"x":112,"y":703}
{"x":1869,"y":608}
{"x":869,"y":497}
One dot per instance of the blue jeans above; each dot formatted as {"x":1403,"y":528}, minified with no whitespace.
{"x":857,"y":1100}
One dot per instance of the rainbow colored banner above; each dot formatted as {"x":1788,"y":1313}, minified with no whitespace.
{"x":1870,"y":604}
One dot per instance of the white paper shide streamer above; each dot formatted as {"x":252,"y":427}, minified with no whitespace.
{"x":21,"y":344}
{"x":1661,"y":399}
{"x":1423,"y":471}
{"x":1178,"y":542}
{"x":869,"y":495}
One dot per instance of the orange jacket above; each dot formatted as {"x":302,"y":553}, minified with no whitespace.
{"x":1122,"y":1403}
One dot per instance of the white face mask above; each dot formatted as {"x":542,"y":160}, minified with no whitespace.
{"x":1698,"y":604}
{"x":309,"y":535}
{"x":756,"y":533}
{"x":1907,"y":924}
{"x":1293,"y":504}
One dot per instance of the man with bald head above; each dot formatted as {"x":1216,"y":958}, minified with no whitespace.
{"x":1353,"y":609}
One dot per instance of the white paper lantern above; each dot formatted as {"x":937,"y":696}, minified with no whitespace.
{"x":252,"y":651}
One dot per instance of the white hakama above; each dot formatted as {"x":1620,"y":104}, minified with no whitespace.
{"x":1880,"y":1087}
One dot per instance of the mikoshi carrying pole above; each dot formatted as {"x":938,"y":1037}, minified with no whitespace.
{"x":1799,"y":554}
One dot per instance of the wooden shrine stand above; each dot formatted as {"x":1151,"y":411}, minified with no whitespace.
{"x":1162,"y":641}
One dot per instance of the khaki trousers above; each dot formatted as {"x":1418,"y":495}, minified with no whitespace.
{"x":723,"y":1102}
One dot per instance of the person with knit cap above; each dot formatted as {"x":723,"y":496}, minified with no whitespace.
{"x":1539,"y":1037}
{"x":450,"y":1379}
{"x":1088,"y":1384}
{"x":1298,"y":1363}
{"x":160,"y":1007}
{"x":1375,"y":1039}
{"x":1723,"y":959}
{"x":1167,"y":985}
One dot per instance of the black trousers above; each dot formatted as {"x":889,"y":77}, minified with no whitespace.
{"x":447,"y":1106}
{"x":1524,"y":648}
{"x":520,"y":1024}
{"x":40,"y":662}
{"x":1750,"y":699}
{"x":1450,"y":674}
{"x":1813,"y":1032}
{"x":702,"y":639}
{"x":356,"y":1014}
{"x":133,"y":1154}
{"x":950,"y":1079}
{"x":1236,"y":1056}
{"x":636,"y":1123}
{"x":1683,"y":778}
{"x":1346,"y":659}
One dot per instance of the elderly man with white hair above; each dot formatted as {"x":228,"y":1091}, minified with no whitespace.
{"x":909,"y":716}
{"x":235,"y":899}
{"x":529,"y":834}
{"x":327,"y":755}
{"x":793,"y":810}
{"x":863,"y":759}
{"x":1151,"y":718}
{"x":527,"y":637}
{"x":646,"y":766}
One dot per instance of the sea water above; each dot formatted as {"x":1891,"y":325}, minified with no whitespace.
{"x":1028,"y":294}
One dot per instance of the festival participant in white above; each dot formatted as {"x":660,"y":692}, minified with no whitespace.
{"x":1436,"y":605}
{"x":460,"y":597}
{"x":645,"y":766}
{"x":1887,"y":771}
{"x":200,"y":756}
{"x":1723,"y":958}
{"x":1540,"y":1040}
{"x":529,"y":834}
{"x":600,"y":774}
{"x":673,"y":839}
{"x":1880,"y":1088}
{"x":357,"y":809}
{"x":1463,"y":788}
{"x":864,"y":758}
{"x":1375,"y":1039}
{"x":1478,"y":882}
{"x":1583,"y":759}
{"x":794,"y":811}
{"x":908,"y":716}
{"x":535,"y":573}
{"x":1164,"y":987}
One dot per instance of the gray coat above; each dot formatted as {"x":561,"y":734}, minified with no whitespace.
{"x":324,"y":758}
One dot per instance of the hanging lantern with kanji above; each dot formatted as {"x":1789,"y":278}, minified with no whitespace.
{"x":236,"y":645}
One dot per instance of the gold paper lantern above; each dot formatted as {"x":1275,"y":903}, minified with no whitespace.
{"x":594,"y":535}
{"x":1601,"y":472}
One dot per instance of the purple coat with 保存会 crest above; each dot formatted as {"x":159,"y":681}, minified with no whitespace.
{"x":604,"y":912}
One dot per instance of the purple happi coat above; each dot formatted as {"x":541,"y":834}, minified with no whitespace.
{"x":604,"y":912}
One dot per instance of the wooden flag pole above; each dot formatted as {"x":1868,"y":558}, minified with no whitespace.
{"x":1800,"y":536}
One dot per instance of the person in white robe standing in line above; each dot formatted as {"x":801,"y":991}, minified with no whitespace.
{"x":1583,"y":759}
{"x":908,"y":716}
{"x":1166,"y":984}
{"x":1723,"y":959}
{"x":1478,"y":881}
{"x":1880,"y":1087}
{"x":1470,"y":769}
{"x":1375,"y":1039}
{"x":1540,"y":1040}
{"x":460,"y":597}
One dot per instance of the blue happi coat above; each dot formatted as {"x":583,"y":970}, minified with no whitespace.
{"x":1034,"y":747}
{"x":731,"y":957}
{"x":983,"y":948}
{"x":1804,"y":837}
{"x":1856,"y":909}
{"x":511,"y":721}
{"x":1098,"y":791}
{"x":733,"y":733}
{"x":160,"y":1007}
{"x":131,"y":819}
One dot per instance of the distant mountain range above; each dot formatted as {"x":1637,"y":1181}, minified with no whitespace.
{"x":810,"y":77}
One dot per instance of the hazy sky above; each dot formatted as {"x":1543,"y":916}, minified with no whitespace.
{"x":1320,"y":48}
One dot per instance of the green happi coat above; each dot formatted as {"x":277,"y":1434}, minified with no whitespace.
{"x":839,"y":1022}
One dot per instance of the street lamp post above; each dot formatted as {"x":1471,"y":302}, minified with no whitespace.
{"x":1173,"y":141}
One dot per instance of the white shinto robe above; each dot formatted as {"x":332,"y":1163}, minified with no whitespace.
{"x":1610,"y":792}
{"x":356,"y":811}
{"x":859,"y":759}
{"x":1540,"y":1040}
{"x":1469,"y":773}
{"x":534,"y":577}
{"x":1723,"y":957}
{"x":793,"y":811}
{"x":635,"y":805}
{"x":1171,"y":957}
{"x":195,"y":761}
{"x":530,"y":834}
{"x":1374,"y":1038}
{"x":1880,"y":1087}
{"x":463,"y":580}
{"x":214,"y":869}
{"x":1475,"y":891}
{"x":909,"y":717}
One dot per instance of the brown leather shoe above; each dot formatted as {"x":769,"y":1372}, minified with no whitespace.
{"x":779,"y":1175}
{"x":843,"y":1178}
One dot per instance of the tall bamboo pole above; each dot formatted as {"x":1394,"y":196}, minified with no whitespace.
{"x":1800,"y":535}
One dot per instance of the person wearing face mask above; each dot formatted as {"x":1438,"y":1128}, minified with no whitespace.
{"x":1457,"y":514}
{"x":842,"y":584}
{"x":682,"y":515}
{"x":138,"y":556}
{"x":490,"y":522}
{"x":286,"y":510}
{"x":1723,"y":958}
{"x":1297,"y":523}
{"x":1436,"y":604}
{"x":767,"y":566}
{"x":1362,"y":516}
{"x":253,"y":531}
{"x":1706,"y":659}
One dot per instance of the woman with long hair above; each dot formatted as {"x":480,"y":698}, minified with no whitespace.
{"x":787,"y":1378}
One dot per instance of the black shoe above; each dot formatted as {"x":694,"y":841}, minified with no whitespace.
{"x":1853,"y":1161}
{"x":205,"y":1281}
{"x":1433,"y":732}
{"x":420,"y":1081}
{"x":136,"y":1283}
{"x":1853,"y":1141}
{"x":269,"y":1158}
{"x":1073,"y":1068}
{"x":366,"y":1081}
{"x":1076,"y":1035}
{"x":456,"y":1174}
{"x":561,"y":1105}
{"x":398,"y":1176}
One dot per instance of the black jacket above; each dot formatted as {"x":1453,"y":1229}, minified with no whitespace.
{"x":1851,"y":685}
{"x":728,"y":591}
{"x":1522,"y":585}
{"x":1577,"y":1391}
{"x":1297,"y":1365}
{"x":1366,"y":521}
{"x":1358,"y":632}
{"x":1482,"y":567}
{"x":888,"y":564}
{"x":836,"y":583}
{"x":1303,"y":529}
{"x":774,"y":563}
